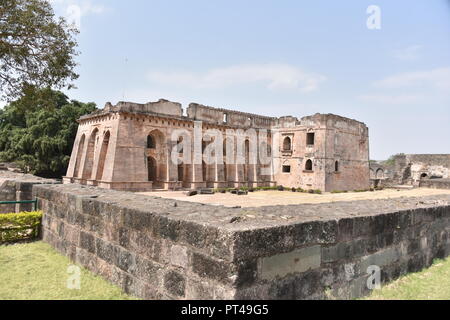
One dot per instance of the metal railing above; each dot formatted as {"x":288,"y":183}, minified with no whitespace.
{"x":33,"y":202}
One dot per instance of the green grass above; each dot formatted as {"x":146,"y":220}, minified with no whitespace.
{"x":35,"y":271}
{"x":430,"y":284}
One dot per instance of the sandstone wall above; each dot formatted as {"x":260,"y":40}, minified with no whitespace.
{"x":18,"y":187}
{"x":160,"y":249}
{"x":435,"y":183}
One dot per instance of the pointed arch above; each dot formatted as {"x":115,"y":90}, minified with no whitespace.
{"x":309,"y":165}
{"x":287,"y":144}
{"x":103,"y":154}
{"x":79,"y":156}
{"x":89,"y":158}
{"x":155,"y":139}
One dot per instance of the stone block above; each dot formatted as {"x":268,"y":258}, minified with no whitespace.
{"x":87,"y":241}
{"x":289,"y":263}
{"x":175,"y":283}
{"x":380,"y":259}
{"x":210,"y":268}
{"x":199,"y":290}
{"x":179,"y":256}
{"x":341,"y":252}
{"x":107,"y":251}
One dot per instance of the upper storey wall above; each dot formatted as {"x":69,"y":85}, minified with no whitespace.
{"x":228,"y":117}
{"x":161,"y":107}
{"x":430,"y":159}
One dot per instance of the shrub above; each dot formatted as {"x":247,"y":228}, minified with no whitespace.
{"x":318,"y":191}
{"x":19,"y":226}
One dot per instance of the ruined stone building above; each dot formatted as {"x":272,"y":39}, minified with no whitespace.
{"x":411,"y":169}
{"x":130,"y":147}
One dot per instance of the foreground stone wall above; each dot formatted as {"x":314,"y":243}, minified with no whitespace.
{"x":165,"y":249}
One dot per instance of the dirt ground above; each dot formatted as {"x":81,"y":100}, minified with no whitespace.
{"x":269,"y":198}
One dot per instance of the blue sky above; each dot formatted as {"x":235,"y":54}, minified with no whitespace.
{"x":276,"y":58}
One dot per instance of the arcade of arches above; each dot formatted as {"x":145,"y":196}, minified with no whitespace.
{"x":134,"y":147}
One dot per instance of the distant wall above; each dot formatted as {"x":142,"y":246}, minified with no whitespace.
{"x":411,"y":168}
{"x":18,"y":187}
{"x":155,"y":249}
{"x":435,"y":183}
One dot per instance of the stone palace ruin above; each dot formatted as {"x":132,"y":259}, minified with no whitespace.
{"x":154,"y":146}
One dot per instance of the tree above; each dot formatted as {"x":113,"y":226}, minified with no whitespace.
{"x":37,"y":131}
{"x":36,"y":48}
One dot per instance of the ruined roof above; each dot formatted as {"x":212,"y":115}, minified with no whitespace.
{"x":166,"y":108}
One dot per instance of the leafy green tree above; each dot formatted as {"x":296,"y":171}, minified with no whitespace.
{"x":36,"y":48}
{"x":37,"y":131}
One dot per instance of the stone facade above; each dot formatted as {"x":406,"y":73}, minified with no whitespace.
{"x":157,"y":248}
{"x":411,"y":169}
{"x":131,"y":147}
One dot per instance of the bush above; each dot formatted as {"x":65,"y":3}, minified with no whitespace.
{"x":19,"y":226}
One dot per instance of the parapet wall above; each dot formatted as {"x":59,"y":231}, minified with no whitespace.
{"x":18,"y":187}
{"x":435,"y":183}
{"x":165,"y":249}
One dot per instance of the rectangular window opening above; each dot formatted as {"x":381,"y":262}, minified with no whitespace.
{"x":286,"y":169}
{"x":310,"y":137}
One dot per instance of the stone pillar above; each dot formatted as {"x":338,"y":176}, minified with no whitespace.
{"x":196,"y":171}
{"x":171,"y":167}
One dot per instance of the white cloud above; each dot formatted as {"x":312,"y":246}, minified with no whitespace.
{"x":437,"y":78}
{"x":411,"y":53}
{"x":273,"y":76}
{"x":391,"y":99}
{"x":75,"y":10}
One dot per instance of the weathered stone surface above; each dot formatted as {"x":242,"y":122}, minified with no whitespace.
{"x":179,"y":256}
{"x":157,"y":251}
{"x":288,"y":263}
{"x":175,"y":283}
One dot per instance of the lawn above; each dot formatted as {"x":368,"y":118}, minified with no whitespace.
{"x":35,"y":271}
{"x":430,"y":284}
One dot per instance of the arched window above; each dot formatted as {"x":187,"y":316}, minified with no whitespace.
{"x":379,"y":174}
{"x":287,"y":144}
{"x":336,"y":166}
{"x":151,"y":142}
{"x":309,"y":165}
